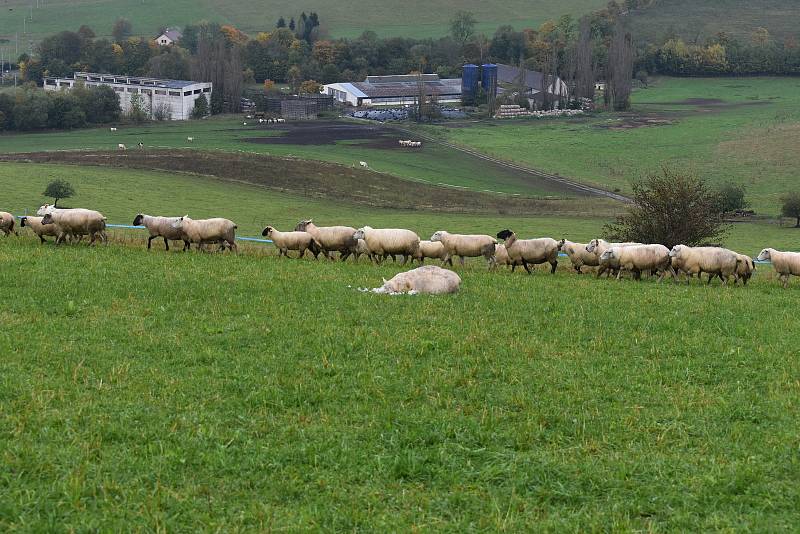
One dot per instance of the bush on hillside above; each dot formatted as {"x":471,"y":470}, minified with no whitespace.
{"x":791,"y":207}
{"x":670,"y":207}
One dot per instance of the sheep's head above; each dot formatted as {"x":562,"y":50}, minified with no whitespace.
{"x":676,"y":251}
{"x":561,"y":244}
{"x":359,"y":233}
{"x":504,"y":234}
{"x":765,"y":255}
{"x":22,"y":221}
{"x":302,"y":225}
{"x":438,"y":236}
{"x":48,"y":219}
{"x":44,"y":210}
{"x":138,"y":220}
{"x":592,"y":245}
{"x":178,"y":224}
{"x":609,"y":255}
{"x":267,"y":231}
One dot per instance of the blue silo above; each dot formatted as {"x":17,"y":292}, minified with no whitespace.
{"x":469,"y":84}
{"x":489,"y":79}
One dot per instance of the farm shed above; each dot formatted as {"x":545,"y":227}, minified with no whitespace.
{"x":394,"y":90}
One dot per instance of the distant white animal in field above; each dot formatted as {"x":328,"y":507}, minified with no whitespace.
{"x":190,"y":139}
{"x":281,"y":120}
{"x":113,"y":129}
{"x":260,"y":121}
{"x":248,"y":117}
{"x":141,"y":145}
{"x":122,"y":147}
{"x":428,"y":279}
{"x":244,"y":124}
{"x":363,"y":164}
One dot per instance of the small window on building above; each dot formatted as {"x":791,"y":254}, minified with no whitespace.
{"x":119,"y":89}
{"x":206,"y":89}
{"x":187,"y":93}
{"x":160,"y":92}
{"x":197,"y":91}
{"x":132,"y":90}
{"x":174,"y":93}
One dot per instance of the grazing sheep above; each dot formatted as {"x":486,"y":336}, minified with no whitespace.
{"x":190,"y":139}
{"x":286,"y":241}
{"x":578,"y":254}
{"x":383,"y":242}
{"x":426,"y":279}
{"x":363,"y":164}
{"x":122,"y":146}
{"x":331,"y":238}
{"x":362,"y":250}
{"x":281,"y":121}
{"x":697,"y":260}
{"x":41,"y":230}
{"x":470,"y":246}
{"x":429,"y":249}
{"x":598,"y":246}
{"x":530,"y":251}
{"x":113,"y":129}
{"x":159,"y":226}
{"x":77,"y":222}
{"x":7,"y":222}
{"x":784,"y":263}
{"x":640,"y":258}
{"x":204,"y":231}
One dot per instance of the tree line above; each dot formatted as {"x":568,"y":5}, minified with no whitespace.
{"x":32,"y":109}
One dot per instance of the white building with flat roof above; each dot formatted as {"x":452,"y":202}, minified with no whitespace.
{"x":402,"y":89}
{"x":174,"y":98}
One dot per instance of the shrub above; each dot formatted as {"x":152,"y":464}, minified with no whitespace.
{"x":731,"y":197}
{"x":671,"y":208}
{"x":791,"y":207}
{"x":200,"y":107}
{"x":58,"y":189}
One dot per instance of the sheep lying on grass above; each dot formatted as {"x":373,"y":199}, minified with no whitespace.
{"x":530,"y":251}
{"x":785,"y":263}
{"x":286,"y":241}
{"x":159,"y":226}
{"x":7,"y":223}
{"x":428,"y":279}
{"x":470,"y":246}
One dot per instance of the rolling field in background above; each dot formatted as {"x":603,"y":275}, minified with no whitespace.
{"x":417,"y":18}
{"x":744,"y":130}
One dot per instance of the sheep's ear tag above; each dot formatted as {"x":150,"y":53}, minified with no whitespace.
{"x":384,"y":280}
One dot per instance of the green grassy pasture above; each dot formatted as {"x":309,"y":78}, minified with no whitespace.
{"x":155,"y":391}
{"x":340,"y":19}
{"x":745,"y":130}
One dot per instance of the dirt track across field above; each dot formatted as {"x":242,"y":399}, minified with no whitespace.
{"x":320,"y":180}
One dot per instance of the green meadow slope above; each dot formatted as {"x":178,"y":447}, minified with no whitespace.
{"x":169,"y":391}
{"x":415,"y":18}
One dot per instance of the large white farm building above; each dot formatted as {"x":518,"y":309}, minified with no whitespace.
{"x":396,"y":90}
{"x":176,"y":97}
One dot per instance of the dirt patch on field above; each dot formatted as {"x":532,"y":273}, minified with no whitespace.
{"x":328,"y":133}
{"x":635,"y":121}
{"x":313,"y":179}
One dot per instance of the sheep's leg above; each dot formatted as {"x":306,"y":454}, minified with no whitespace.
{"x":41,"y":238}
{"x":553,"y":265}
{"x":166,"y":244}
{"x":785,"y":278}
{"x":405,"y":259}
{"x":461,"y":259}
{"x":186,"y":245}
{"x":527,"y":268}
{"x":233,"y":246}
{"x":150,"y":240}
{"x":344,"y":255}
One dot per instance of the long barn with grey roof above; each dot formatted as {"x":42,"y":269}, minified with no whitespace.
{"x":394,"y":90}
{"x":172,"y":98}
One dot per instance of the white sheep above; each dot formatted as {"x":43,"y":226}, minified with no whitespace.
{"x":530,"y":251}
{"x":190,"y":139}
{"x":113,"y":129}
{"x":41,"y":230}
{"x":7,"y":223}
{"x":578,"y":255}
{"x":383,"y":242}
{"x":716,"y":261}
{"x":469,"y":246}
{"x":286,"y":241}
{"x":121,"y":146}
{"x":281,"y":121}
{"x":331,"y":238}
{"x":363,"y":164}
{"x":429,"y":249}
{"x":598,"y":246}
{"x":640,"y":258}
{"x":784,"y":263}
{"x":77,"y":222}
{"x":744,"y":268}
{"x":205,"y":231}
{"x":426,"y":279}
{"x":501,"y":257}
{"x":362,"y":250}
{"x":159,"y":226}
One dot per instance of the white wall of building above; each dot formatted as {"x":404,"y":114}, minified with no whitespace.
{"x":155,"y":95}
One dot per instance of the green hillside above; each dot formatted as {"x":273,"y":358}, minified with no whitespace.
{"x":698,"y":19}
{"x":415,"y":18}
